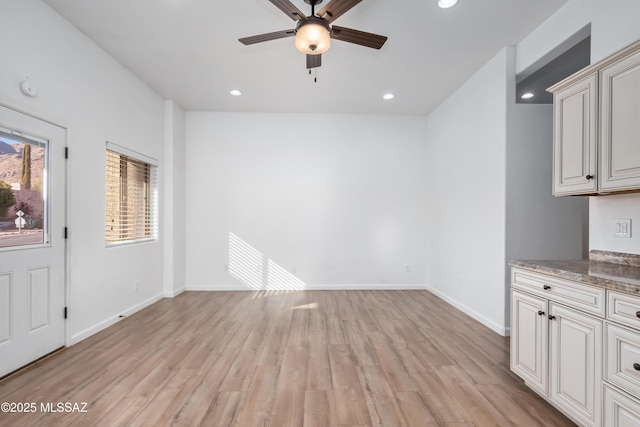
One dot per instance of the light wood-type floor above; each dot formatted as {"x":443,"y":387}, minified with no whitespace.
{"x":285,"y":359}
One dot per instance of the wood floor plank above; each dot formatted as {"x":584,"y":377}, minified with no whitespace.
{"x":285,"y":358}
{"x":383,"y":407}
{"x":359,"y":343}
{"x":351,"y":405}
{"x":257,"y":402}
{"x":318,"y":364}
{"x":288,"y":408}
{"x":293,"y":372}
{"x":320,"y":409}
{"x":241,"y":370}
{"x":478,"y":408}
{"x":390,"y":363}
{"x":415,"y":410}
{"x":223,"y":409}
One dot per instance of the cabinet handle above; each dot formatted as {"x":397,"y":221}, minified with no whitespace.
{"x":552,"y":317}
{"x":636,"y":366}
{"x":546,"y":287}
{"x":540,"y":313}
{"x":589,"y":177}
{"x":638,"y":314}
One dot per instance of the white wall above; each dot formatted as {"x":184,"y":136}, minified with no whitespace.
{"x":339,"y":199}
{"x":85,"y":90}
{"x":465,"y":163}
{"x":492,"y":160}
{"x":175,"y":214}
{"x":614,"y":24}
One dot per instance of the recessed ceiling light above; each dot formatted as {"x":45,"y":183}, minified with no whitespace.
{"x":235,"y":92}
{"x":387,"y":96}
{"x":446,"y":4}
{"x":527,"y":95}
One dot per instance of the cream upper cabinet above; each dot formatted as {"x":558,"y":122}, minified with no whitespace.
{"x":620,"y":131}
{"x":597,"y":127}
{"x":576,"y":118}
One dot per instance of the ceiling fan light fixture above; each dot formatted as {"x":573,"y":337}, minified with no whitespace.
{"x":313,"y":36}
{"x":446,"y":4}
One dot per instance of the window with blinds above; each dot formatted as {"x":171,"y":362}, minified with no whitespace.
{"x":130,"y":204}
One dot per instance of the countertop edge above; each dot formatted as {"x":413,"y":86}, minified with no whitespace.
{"x":571,"y":270}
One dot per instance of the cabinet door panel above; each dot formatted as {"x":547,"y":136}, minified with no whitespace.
{"x":620,"y":410}
{"x":575,"y":118}
{"x":529,"y":340}
{"x":575,"y":351}
{"x":620,"y":131}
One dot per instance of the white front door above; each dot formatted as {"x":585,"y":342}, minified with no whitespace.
{"x":32,"y":241}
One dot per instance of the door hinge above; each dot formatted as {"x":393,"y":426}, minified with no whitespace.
{"x":66,"y":232}
{"x":66,"y":152}
{"x":66,"y":312}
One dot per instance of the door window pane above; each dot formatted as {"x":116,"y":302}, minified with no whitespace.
{"x":22,"y":190}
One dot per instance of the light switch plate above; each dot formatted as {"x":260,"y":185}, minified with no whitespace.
{"x":622,"y":227}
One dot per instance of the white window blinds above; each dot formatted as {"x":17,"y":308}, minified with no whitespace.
{"x":130,"y":198}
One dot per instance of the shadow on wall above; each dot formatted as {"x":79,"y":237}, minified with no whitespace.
{"x":250,"y":267}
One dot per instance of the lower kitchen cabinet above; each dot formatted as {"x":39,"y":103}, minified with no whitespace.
{"x":620,"y":410}
{"x":575,"y":360}
{"x":575,"y":340}
{"x":529,"y":340}
{"x":556,"y":348}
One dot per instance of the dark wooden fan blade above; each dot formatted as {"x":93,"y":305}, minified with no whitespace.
{"x":289,"y":9}
{"x":336,"y":8}
{"x":314,"y":61}
{"x":358,"y":37}
{"x":267,"y":36}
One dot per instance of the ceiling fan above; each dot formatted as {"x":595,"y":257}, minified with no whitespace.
{"x":313,"y":33}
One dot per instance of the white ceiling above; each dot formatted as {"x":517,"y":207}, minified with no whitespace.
{"x":187,"y":50}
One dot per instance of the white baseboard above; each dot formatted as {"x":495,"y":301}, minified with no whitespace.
{"x":82,"y":335}
{"x":499,"y":329}
{"x":319,"y":287}
{"x":175,"y":293}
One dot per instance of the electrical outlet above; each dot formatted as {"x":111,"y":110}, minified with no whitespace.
{"x":407,"y":268}
{"x":136,"y":285}
{"x":622,"y":227}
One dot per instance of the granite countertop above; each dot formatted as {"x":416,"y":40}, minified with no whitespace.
{"x":610,"y":270}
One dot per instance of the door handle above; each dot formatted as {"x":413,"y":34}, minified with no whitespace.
{"x":540,"y":313}
{"x":546,"y":287}
{"x":552,"y":317}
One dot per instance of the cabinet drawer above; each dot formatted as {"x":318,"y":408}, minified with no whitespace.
{"x":623,"y":358}
{"x":584,"y":297}
{"x":624,"y":308}
{"x":620,"y":410}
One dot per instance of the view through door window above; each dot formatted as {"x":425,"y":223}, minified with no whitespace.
{"x":22,"y":184}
